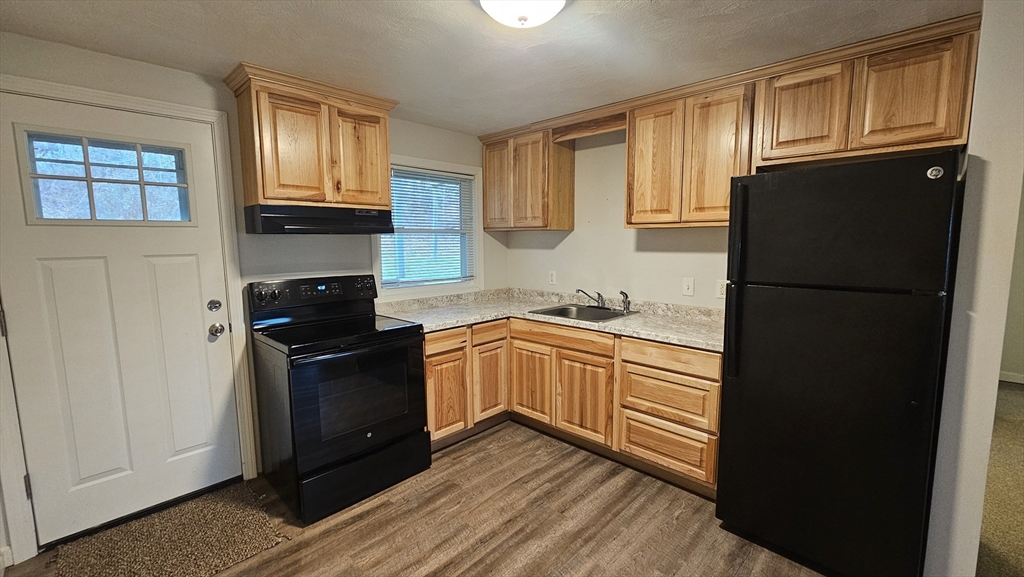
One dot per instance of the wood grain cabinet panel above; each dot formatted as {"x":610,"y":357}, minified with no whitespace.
{"x":296,"y":148}
{"x":490,"y":379}
{"x":529,"y":180}
{"x":563,"y":337}
{"x":703,"y":364}
{"x":807,"y":112}
{"x":361,"y":160}
{"x":532,"y":376}
{"x":671,"y":396}
{"x":675,"y":447}
{"x":914,"y":94}
{"x":447,"y":393}
{"x":716,"y":147}
{"x":654,"y":164}
{"x":498,"y":184}
{"x":584,"y":386}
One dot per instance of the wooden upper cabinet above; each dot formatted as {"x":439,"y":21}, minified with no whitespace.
{"x":529,"y":183}
{"x":529,"y":180}
{"x":296,"y":148}
{"x":654,"y":164}
{"x":807,"y":112}
{"x":361,"y":163}
{"x":308,"y":143}
{"x":716,"y":147}
{"x":914,"y":94}
{"x":498,"y":185}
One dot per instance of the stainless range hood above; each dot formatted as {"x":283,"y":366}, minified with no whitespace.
{"x":286,"y":219}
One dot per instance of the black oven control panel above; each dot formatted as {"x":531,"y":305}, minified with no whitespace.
{"x":285,"y":293}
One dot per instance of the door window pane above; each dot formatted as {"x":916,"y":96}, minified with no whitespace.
{"x":117,"y":201}
{"x":113,"y":153}
{"x":65,"y":169}
{"x":167,"y":203}
{"x":63,"y":199}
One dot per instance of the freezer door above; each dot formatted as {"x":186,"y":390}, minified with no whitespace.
{"x":887,"y":224}
{"x":829,"y":409}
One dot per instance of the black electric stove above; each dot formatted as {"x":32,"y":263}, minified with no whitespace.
{"x":340,"y":392}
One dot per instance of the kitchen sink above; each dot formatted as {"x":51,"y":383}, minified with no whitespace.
{"x":582,"y":313}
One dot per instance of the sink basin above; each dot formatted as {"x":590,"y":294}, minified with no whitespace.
{"x":582,"y":313}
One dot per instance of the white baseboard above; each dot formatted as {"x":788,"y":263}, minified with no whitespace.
{"x":1011,"y":377}
{"x":6,"y":557}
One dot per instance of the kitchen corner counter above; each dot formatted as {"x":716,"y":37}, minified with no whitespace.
{"x":694,"y":327}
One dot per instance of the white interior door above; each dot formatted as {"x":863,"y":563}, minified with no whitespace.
{"x":125,"y":399}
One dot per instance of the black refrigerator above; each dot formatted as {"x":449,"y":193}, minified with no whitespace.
{"x":837,"y":322}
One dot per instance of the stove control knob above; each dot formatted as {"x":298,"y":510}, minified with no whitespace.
{"x":261,"y":296}
{"x":275,"y":294}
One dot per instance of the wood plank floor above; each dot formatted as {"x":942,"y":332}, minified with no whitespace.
{"x":510,"y":501}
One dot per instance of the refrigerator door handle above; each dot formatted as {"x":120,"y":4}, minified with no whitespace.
{"x":732,"y":329}
{"x":737,"y":230}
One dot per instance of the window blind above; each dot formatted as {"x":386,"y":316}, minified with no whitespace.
{"x":433,"y":239}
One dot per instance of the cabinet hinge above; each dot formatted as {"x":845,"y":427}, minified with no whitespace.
{"x":28,"y":487}
{"x":3,"y":324}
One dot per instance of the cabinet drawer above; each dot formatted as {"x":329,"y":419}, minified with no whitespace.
{"x":672,"y":446}
{"x":671,"y":358}
{"x":490,"y":332}
{"x":671,"y":396}
{"x":563,"y":337}
{"x":443,"y":341}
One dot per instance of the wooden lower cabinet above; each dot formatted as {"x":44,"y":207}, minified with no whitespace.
{"x":584,"y":391}
{"x":671,"y":396}
{"x":446,"y":367}
{"x":531,"y":380}
{"x":652,"y":401}
{"x":679,"y":448}
{"x":490,"y":379}
{"x":448,"y":393}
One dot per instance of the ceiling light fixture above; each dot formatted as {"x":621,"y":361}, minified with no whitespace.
{"x":522,"y":13}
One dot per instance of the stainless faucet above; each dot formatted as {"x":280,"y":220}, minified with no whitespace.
{"x":599,"y":300}
{"x":625,"y":301}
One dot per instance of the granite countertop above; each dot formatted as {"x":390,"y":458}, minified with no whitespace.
{"x":696,"y":327}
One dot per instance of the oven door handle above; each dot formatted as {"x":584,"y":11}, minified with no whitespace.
{"x":381,"y":346}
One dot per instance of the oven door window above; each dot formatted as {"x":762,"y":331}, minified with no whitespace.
{"x":349,"y":402}
{"x":362,"y":399}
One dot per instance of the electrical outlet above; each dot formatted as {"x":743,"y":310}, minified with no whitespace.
{"x":722,"y":286}
{"x":688,"y":287}
{"x":551,"y":277}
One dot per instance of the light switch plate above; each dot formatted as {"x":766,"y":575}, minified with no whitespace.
{"x":722,"y":287}
{"x":551,"y":277}
{"x":688,"y":287}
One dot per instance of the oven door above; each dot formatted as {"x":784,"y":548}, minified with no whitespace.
{"x":350,"y":401}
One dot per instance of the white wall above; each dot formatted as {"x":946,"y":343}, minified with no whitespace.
{"x":1012,"y":367}
{"x":601,"y":254}
{"x":991,"y":208}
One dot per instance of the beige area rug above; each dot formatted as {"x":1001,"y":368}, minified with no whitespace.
{"x":196,"y":538}
{"x":1002,"y":528}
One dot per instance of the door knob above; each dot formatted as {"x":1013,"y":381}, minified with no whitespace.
{"x":216,"y":329}
{"x":214,"y":305}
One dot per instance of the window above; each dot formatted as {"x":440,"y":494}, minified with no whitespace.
{"x":74,"y":178}
{"x":433,"y":240}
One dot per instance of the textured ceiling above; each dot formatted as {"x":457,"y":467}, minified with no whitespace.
{"x":449,"y":65}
